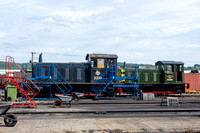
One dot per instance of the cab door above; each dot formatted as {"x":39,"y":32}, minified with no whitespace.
{"x":179,"y":73}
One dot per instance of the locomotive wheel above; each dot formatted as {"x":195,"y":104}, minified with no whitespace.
{"x":10,"y":120}
{"x":57,"y":103}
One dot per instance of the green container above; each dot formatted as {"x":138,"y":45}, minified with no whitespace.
{"x":11,"y":92}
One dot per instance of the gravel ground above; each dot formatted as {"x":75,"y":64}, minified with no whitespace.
{"x":98,"y":125}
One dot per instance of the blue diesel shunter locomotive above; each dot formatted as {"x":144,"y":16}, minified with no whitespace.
{"x":166,"y":77}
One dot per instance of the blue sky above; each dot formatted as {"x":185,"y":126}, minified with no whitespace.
{"x":138,"y":31}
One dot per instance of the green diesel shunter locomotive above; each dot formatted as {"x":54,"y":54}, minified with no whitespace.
{"x":166,"y":77}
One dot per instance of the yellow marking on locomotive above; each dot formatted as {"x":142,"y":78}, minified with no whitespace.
{"x":123,"y":74}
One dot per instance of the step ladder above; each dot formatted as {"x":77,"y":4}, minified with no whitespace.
{"x":170,"y":101}
{"x":133,"y":88}
{"x":26,"y":94}
{"x":109,"y":78}
{"x":62,"y":85}
{"x":101,"y":85}
{"x":29,"y":92}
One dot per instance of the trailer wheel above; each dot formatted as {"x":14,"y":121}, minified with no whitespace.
{"x":10,"y":120}
{"x":69,"y":104}
{"x":73,"y":96}
{"x":9,"y":99}
{"x":57,"y":103}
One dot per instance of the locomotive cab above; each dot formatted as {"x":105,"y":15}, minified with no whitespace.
{"x":99,"y":64}
{"x":171,"y":71}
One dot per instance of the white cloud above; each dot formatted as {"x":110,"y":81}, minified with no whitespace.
{"x":138,"y":31}
{"x":5,"y":2}
{"x":3,"y":34}
{"x":119,"y":1}
{"x":131,"y":34}
{"x":76,"y":15}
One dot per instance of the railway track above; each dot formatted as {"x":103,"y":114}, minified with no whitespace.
{"x":113,"y":108}
{"x":108,"y":114}
{"x":157,"y":102}
{"x":106,"y":102}
{"x":181,"y":110}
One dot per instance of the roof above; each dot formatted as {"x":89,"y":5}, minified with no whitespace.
{"x":171,"y":62}
{"x":101,"y":56}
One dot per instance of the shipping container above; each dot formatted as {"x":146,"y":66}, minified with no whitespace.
{"x":194,"y":81}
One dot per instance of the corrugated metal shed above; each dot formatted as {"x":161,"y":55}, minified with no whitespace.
{"x":194,"y":80}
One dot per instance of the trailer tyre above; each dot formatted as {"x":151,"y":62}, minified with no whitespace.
{"x":69,"y":105}
{"x":10,"y":120}
{"x":57,"y":103}
{"x":9,"y":99}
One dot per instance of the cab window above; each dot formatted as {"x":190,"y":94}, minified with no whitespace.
{"x":109,"y":62}
{"x":100,"y":63}
{"x":181,"y":68}
{"x":94,"y":63}
{"x":168,"y":68}
{"x":160,"y":67}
